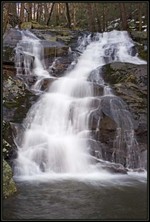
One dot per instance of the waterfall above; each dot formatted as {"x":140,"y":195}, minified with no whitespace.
{"x":57,"y":131}
{"x":29,"y":59}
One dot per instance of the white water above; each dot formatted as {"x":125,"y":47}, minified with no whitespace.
{"x":55,"y":140}
{"x":29,"y":59}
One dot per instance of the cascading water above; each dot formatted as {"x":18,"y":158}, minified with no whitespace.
{"x":29,"y":59}
{"x":57,"y":131}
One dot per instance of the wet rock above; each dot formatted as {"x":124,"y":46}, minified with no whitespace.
{"x":141,"y":43}
{"x":118,"y":72}
{"x":58,"y":66}
{"x":54,"y":48}
{"x":143,"y":158}
{"x":9,"y":147}
{"x":138,"y":35}
{"x":11,"y":37}
{"x":95,"y":148}
{"x":16,"y":98}
{"x":113,"y":168}
{"x":138,"y":170}
{"x":129,"y":82}
{"x":107,"y":124}
{"x":97,"y":89}
{"x":46,"y":83}
{"x":94,"y":119}
{"x":9,"y":187}
{"x":17,"y":133}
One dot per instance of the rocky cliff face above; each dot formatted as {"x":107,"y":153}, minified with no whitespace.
{"x":128,"y":81}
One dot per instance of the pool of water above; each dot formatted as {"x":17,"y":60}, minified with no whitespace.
{"x":120,"y":198}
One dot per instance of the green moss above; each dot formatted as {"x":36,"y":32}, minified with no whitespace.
{"x":9,"y":187}
{"x":118,"y":76}
{"x":143,"y":54}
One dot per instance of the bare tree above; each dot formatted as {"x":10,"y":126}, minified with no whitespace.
{"x":91,"y":18}
{"x":98,"y":17}
{"x":74,"y":14}
{"x":13,"y":8}
{"x":52,"y":7}
{"x":68,"y":15}
{"x":123,"y":16}
{"x":46,"y":12}
{"x":22,"y":12}
{"x":29,"y":12}
{"x":140,"y":16}
{"x":104,"y":17}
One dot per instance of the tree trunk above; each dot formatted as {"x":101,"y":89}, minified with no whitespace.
{"x":6,"y":16}
{"x":98,"y":16}
{"x":22,"y":12}
{"x":74,"y":15}
{"x":46,"y":12}
{"x":103,"y":17}
{"x":140,"y":16}
{"x":39,"y":12}
{"x":56,"y":14}
{"x":91,"y":21}
{"x":17,"y":8}
{"x":50,"y":14}
{"x":13,"y":8}
{"x":123,"y":16}
{"x":68,"y":15}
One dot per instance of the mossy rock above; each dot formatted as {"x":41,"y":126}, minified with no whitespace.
{"x":26,"y":25}
{"x":13,"y":89}
{"x":17,"y":99}
{"x":6,"y":149}
{"x":9,"y":146}
{"x":143,"y":53}
{"x":9,"y":187}
{"x":8,"y":54}
{"x":118,"y":72}
{"x":138,"y":35}
{"x":65,"y":39}
{"x":32,"y":25}
{"x":38,"y":26}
